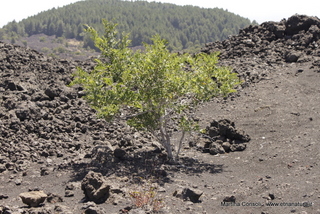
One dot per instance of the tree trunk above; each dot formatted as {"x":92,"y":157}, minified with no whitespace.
{"x":165,"y":139}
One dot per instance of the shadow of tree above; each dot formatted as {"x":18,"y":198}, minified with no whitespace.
{"x":191,"y":165}
{"x":148,"y":165}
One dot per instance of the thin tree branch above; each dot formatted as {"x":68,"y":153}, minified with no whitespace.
{"x":134,"y":115}
{"x":180,"y":145}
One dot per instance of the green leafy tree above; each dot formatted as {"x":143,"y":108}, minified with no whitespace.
{"x":60,"y":28}
{"x":151,"y":86}
{"x":30,"y":27}
{"x":51,"y":29}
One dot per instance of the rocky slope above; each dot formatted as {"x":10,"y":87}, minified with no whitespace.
{"x":47,"y":125}
{"x":271,"y":44}
{"x":60,"y":158}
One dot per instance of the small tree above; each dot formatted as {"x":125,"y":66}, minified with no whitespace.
{"x":148,"y":87}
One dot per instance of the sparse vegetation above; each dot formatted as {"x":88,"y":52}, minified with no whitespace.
{"x":42,"y":39}
{"x":45,"y":50}
{"x":52,"y":55}
{"x":60,"y":50}
{"x":59,"y":40}
{"x":78,"y":53}
{"x":147,"y":198}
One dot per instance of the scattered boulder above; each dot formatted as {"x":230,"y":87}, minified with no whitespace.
{"x":216,"y":148}
{"x":5,"y":209}
{"x":33,"y":198}
{"x":230,"y":199}
{"x":95,"y":187}
{"x":92,"y":208}
{"x":192,"y":195}
{"x":292,"y":56}
{"x":3,"y":168}
{"x":272,"y":196}
{"x":68,"y":193}
{"x":119,"y":153}
{"x":3,"y":196}
{"x":62,"y":209}
{"x":69,"y":190}
{"x":54,"y":198}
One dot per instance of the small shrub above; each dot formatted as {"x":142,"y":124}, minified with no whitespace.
{"x":45,"y":50}
{"x":147,"y":198}
{"x":77,"y":53}
{"x":59,"y":40}
{"x":60,"y":50}
{"x":42,"y":39}
{"x":52,"y":55}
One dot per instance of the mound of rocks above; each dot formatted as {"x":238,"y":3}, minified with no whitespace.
{"x":223,"y":137}
{"x":273,"y":40}
{"x":41,"y":117}
{"x":270,"y":44}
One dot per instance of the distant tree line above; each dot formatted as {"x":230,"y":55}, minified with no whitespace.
{"x":183,"y":26}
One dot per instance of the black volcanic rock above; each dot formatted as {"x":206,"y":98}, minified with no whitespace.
{"x":275,"y":38}
{"x":269,"y":45}
{"x":40,"y":114}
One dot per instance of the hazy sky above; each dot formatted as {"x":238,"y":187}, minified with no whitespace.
{"x":261,"y":11}
{"x":20,"y":9}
